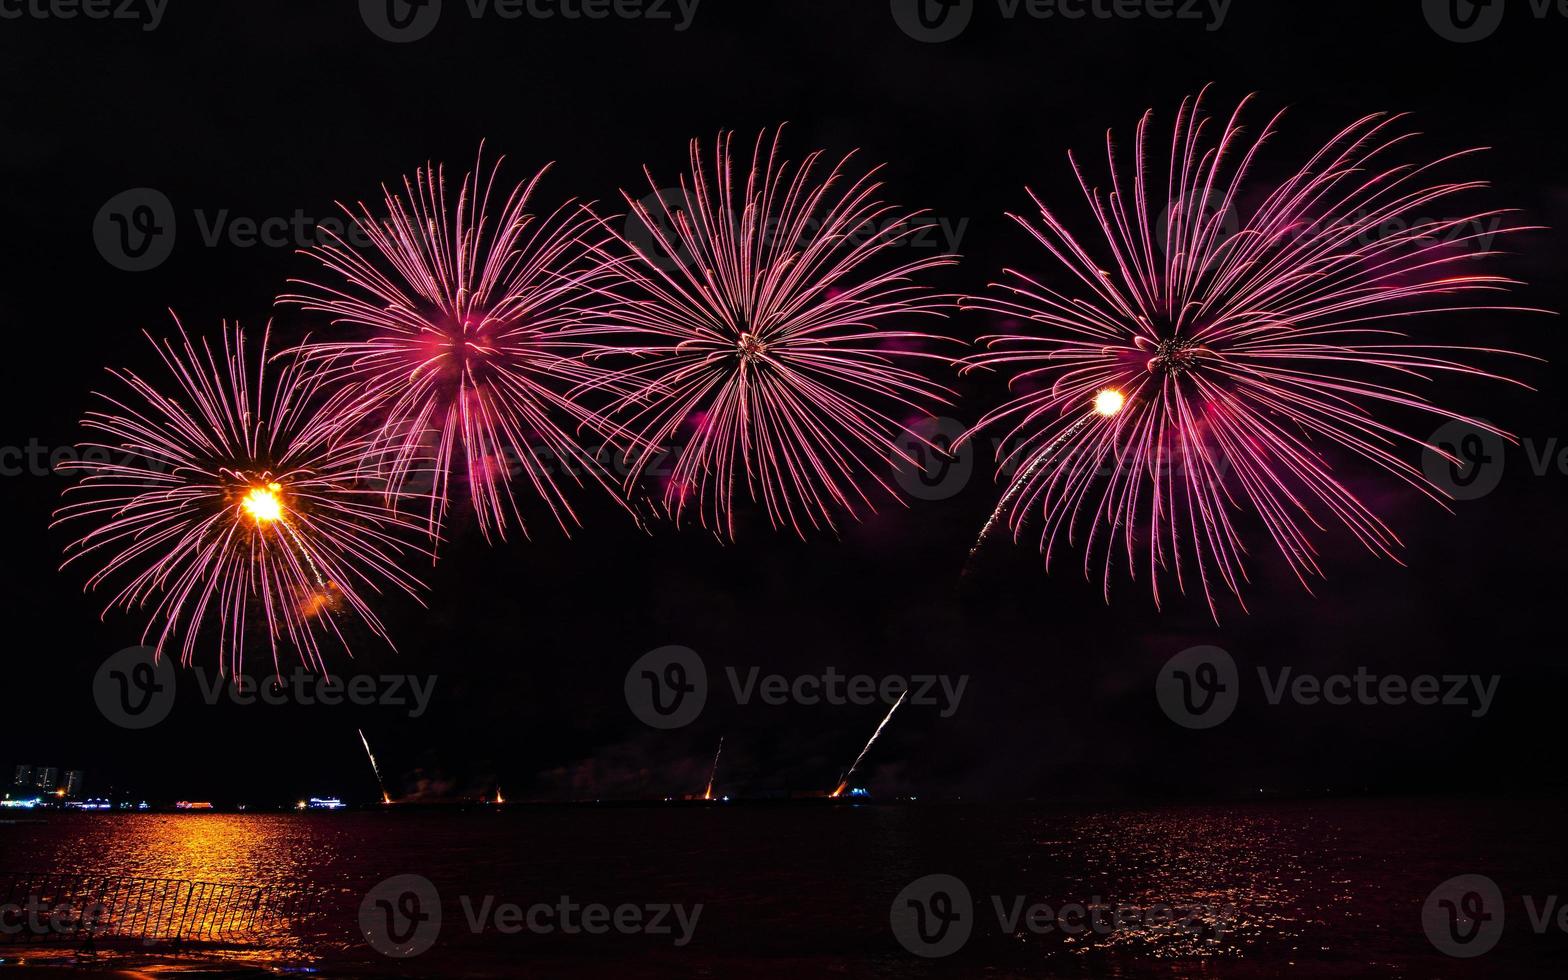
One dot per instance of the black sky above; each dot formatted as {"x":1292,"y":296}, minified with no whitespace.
{"x":259,"y":110}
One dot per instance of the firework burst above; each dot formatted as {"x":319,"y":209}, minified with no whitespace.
{"x":233,"y":495}
{"x":1194,"y":379}
{"x":464,"y":341}
{"x":760,"y":310}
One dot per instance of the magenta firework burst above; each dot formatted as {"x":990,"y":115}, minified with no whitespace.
{"x":768,"y":311}
{"x":460,"y":338}
{"x":232,"y":496}
{"x":1211,"y":350}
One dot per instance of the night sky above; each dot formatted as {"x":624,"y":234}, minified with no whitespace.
{"x":256,"y":111}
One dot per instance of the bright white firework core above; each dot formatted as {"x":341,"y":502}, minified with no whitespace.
{"x":1109,"y":402}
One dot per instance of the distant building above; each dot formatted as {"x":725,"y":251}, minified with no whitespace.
{"x":75,"y":783}
{"x":47,"y":778}
{"x":24,"y":778}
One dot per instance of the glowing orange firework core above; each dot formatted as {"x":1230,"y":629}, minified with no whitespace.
{"x":264,"y":504}
{"x":1109,"y":402}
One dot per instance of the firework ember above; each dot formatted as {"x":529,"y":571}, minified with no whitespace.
{"x":767,"y":323}
{"x":1195,"y":382}
{"x":232,"y":495}
{"x":463,"y":341}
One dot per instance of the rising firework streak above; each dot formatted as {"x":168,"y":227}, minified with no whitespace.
{"x":843,"y":787}
{"x":1107,"y":404}
{"x":714,"y":773}
{"x":377,"y":769}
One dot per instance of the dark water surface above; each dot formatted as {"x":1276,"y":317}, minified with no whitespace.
{"x":1306,"y":889}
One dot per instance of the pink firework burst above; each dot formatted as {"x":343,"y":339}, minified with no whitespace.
{"x":764,"y":311}
{"x":464,"y":341}
{"x":230,"y":495}
{"x":1195,"y":377}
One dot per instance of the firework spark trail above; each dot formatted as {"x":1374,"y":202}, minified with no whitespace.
{"x":463,"y":337}
{"x":850,"y":772}
{"x":713,"y":774}
{"x":1238,"y":355}
{"x":230,"y":495}
{"x":385,"y":798}
{"x":760,"y":314}
{"x":1107,"y":404}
